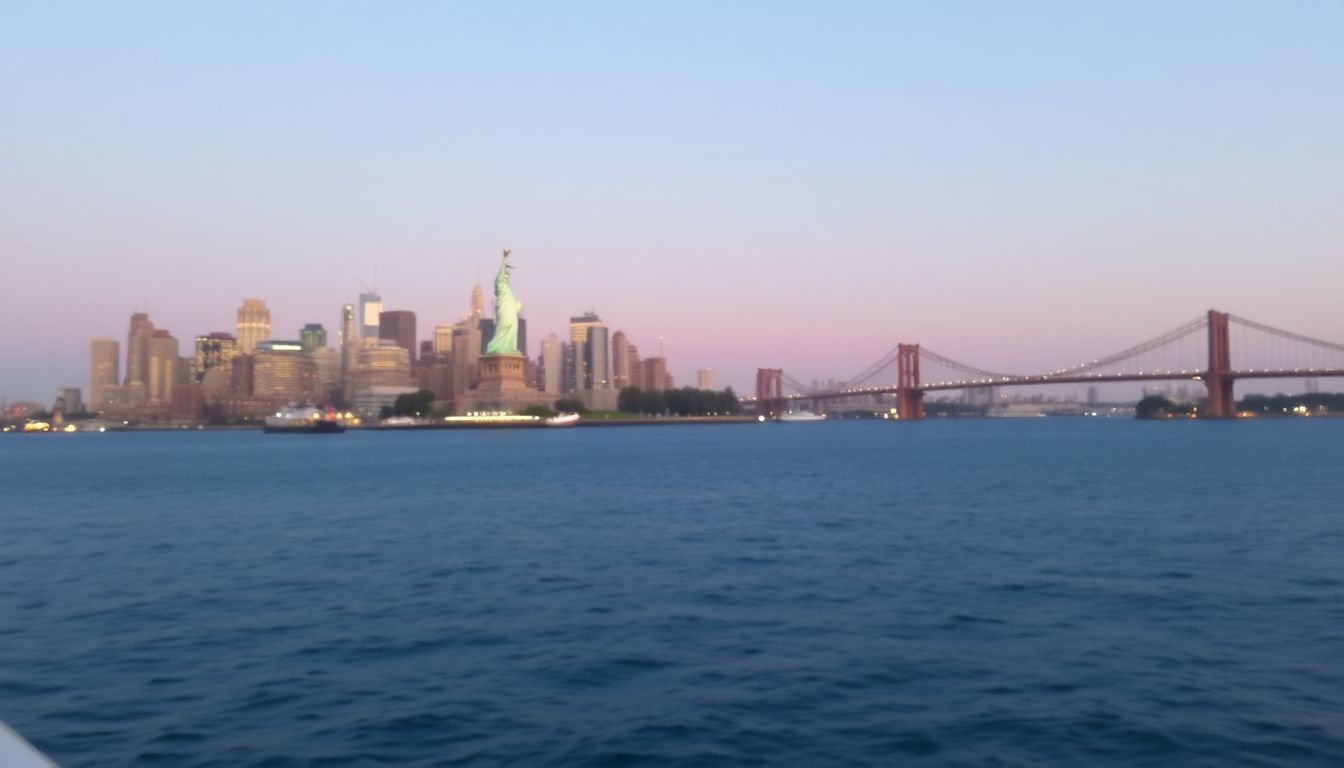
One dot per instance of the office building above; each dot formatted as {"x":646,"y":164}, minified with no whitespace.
{"x":704,"y":379}
{"x":283,"y":372}
{"x":551,"y":365}
{"x":313,"y":337}
{"x":398,"y":326}
{"x":163,"y":366}
{"x":370,"y":307}
{"x":254,"y":325}
{"x":636,"y":367}
{"x":212,"y":351}
{"x":620,"y":360}
{"x":655,"y":374}
{"x":383,"y":363}
{"x":69,"y":400}
{"x":349,"y":343}
{"x":597,"y":355}
{"x":466,"y":353}
{"x":137,"y":353}
{"x":104,"y":373}
{"x":443,"y":338}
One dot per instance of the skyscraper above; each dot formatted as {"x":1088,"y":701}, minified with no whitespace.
{"x":705,"y":379}
{"x":283,"y":372}
{"x":399,"y":326}
{"x":620,"y":361}
{"x":580,"y":328}
{"x":466,"y":351}
{"x":137,"y":352}
{"x":597,"y":353}
{"x":254,"y":325}
{"x":349,"y":342}
{"x":212,"y":351}
{"x":552,"y":365}
{"x":163,"y":366}
{"x":477,"y":310}
{"x":370,"y":306}
{"x":313,"y":337}
{"x":104,"y":359}
{"x":655,"y":374}
{"x":443,"y":338}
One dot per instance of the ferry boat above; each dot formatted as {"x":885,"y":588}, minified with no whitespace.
{"x":563,"y":420}
{"x":306,"y":420}
{"x":792,"y":416}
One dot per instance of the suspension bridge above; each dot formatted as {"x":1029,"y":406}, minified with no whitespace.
{"x":1200,"y":350}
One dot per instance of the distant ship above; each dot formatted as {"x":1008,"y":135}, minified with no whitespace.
{"x":1006,"y":413}
{"x":305,"y":419}
{"x":792,"y":416}
{"x":563,"y":420}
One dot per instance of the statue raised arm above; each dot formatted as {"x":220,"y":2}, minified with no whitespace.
{"x":507,"y":307}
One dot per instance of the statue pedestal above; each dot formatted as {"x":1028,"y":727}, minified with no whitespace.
{"x":502,"y":387}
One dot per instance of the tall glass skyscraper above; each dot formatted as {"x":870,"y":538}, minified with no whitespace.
{"x":370,"y":307}
{"x":254,"y":325}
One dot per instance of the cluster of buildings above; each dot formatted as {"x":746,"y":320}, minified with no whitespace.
{"x":377,"y":355}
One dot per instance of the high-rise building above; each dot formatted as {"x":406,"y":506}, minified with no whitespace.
{"x":570,"y":379}
{"x":704,"y":379}
{"x":580,"y":328}
{"x":163,"y":366}
{"x":655,"y":374}
{"x":254,"y":325}
{"x":466,"y":351}
{"x":349,"y":343}
{"x":552,"y":365}
{"x":597,"y":353}
{"x":636,"y":367}
{"x":620,"y":360}
{"x":283,"y":372}
{"x":398,"y":325}
{"x":213,"y":350}
{"x":443,"y":338}
{"x":104,"y":359}
{"x":381,"y":364}
{"x":477,"y":310}
{"x":370,"y":306}
{"x":313,"y":337}
{"x":137,"y":352}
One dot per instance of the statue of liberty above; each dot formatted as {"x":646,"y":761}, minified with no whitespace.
{"x":507,"y":307}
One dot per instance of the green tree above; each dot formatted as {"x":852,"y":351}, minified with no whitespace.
{"x":569,"y":405}
{"x":416,"y":403}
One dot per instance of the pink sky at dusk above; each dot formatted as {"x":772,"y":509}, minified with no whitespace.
{"x":1021,"y":188}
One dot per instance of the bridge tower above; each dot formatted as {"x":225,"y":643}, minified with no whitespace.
{"x":769,"y":392}
{"x":909,"y":397}
{"x":1218,"y":378}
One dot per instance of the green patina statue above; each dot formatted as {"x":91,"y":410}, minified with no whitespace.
{"x":507,"y":307}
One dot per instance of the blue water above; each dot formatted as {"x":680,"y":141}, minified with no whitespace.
{"x":1068,"y":592}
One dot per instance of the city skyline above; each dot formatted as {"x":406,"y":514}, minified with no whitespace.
{"x":760,"y":187}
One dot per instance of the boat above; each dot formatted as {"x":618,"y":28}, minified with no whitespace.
{"x":792,"y":416}
{"x":563,"y":420}
{"x":301,"y":419}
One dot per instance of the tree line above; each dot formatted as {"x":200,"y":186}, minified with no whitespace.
{"x":687,"y":401}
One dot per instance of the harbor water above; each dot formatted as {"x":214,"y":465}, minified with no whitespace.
{"x":971,"y":592}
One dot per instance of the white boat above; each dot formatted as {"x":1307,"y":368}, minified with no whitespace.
{"x":563,"y":420}
{"x":304,"y":419}
{"x":792,"y":416}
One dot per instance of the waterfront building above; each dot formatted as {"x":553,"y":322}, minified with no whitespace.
{"x":704,"y":379}
{"x":636,"y":367}
{"x":104,"y":362}
{"x":164,"y":365}
{"x":381,"y":363}
{"x":328,"y":368}
{"x":212,"y":351}
{"x":253,"y":325}
{"x":137,"y":354}
{"x":313,"y":337}
{"x":349,"y":343}
{"x":551,"y":364}
{"x":466,"y":353}
{"x":284,"y":373}
{"x":370,"y":401}
{"x":620,"y":361}
{"x":69,"y":400}
{"x":655,"y":374}
{"x":398,"y":326}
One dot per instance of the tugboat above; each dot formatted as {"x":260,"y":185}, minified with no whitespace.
{"x":305,"y":419}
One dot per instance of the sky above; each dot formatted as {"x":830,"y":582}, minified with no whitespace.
{"x":797,"y":185}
